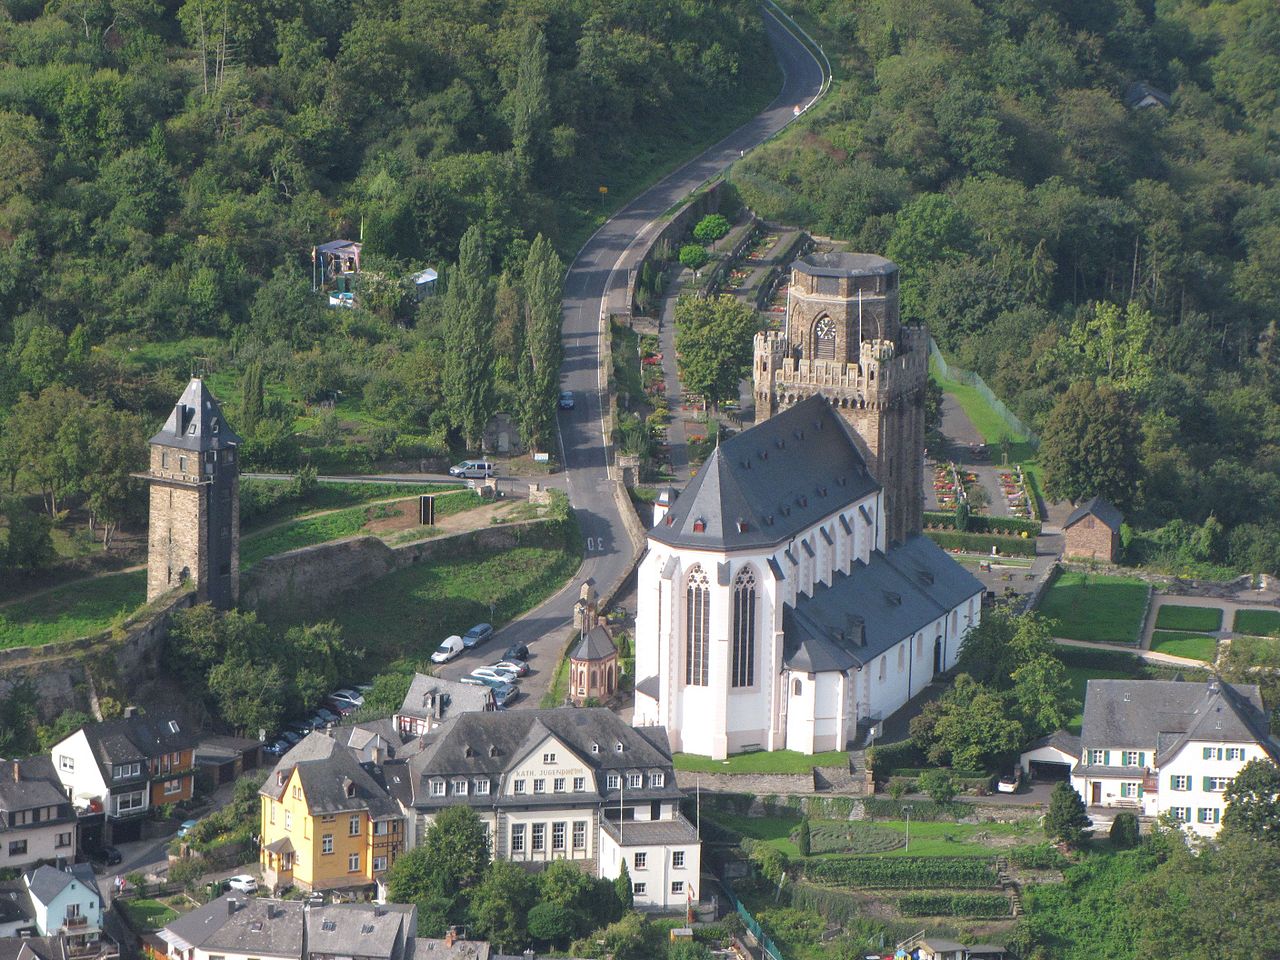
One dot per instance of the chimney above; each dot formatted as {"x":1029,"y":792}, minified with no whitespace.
{"x":451,"y":936}
{"x":179,"y":414}
{"x":130,"y":712}
{"x":377,"y":756}
{"x":602,"y":622}
{"x":17,"y":772}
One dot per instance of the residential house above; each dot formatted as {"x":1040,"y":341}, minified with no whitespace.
{"x":118,"y":770}
{"x":235,"y":927}
{"x":564,"y":784}
{"x":432,"y":700}
{"x":1051,"y":757}
{"x":1140,"y":95}
{"x":328,"y":822}
{"x":1092,"y":531}
{"x":36,"y":819}
{"x":1163,"y":746}
{"x":66,"y":902}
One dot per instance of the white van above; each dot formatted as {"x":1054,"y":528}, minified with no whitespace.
{"x":447,"y":650}
{"x":481,"y":469}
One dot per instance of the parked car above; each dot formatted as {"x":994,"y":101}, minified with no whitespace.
{"x":518,"y":667}
{"x":325,"y":717}
{"x":186,"y":827}
{"x":107,"y":857}
{"x":477,"y":635}
{"x":290,"y":737}
{"x":277,"y":748}
{"x":243,"y":882}
{"x":352,"y":697}
{"x":493,"y":673}
{"x":517,"y":651}
{"x":505,"y":694}
{"x":474,"y":468}
{"x":479,"y":680}
{"x":566,"y":399}
{"x":448,"y":650}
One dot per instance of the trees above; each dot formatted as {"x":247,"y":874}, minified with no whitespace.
{"x":468,"y":325}
{"x":694,"y":256}
{"x":714,"y":339}
{"x":551,"y":923}
{"x":802,"y":836}
{"x":540,"y":376}
{"x":457,"y":849}
{"x":28,"y":543}
{"x":500,"y":904}
{"x":974,"y":728}
{"x":1253,"y":803}
{"x":1067,"y":818}
{"x":529,"y":102}
{"x":938,"y":784}
{"x":1089,"y":446}
{"x":1042,"y":695}
{"x":622,"y":887}
{"x":1124,"y":830}
{"x":710,"y":229}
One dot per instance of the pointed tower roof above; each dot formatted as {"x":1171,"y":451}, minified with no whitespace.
{"x":769,"y":483}
{"x":196,"y":422}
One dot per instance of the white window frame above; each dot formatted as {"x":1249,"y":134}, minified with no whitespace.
{"x":1130,"y":758}
{"x":1218,"y":784}
{"x":1181,"y":814}
{"x":482,"y":788}
{"x":548,"y":758}
{"x":326,"y":843}
{"x":460,"y":786}
{"x":1129,"y":789}
{"x":437,"y":788}
{"x":677,"y":859}
{"x":559,"y":835}
{"x":677,"y":887}
{"x":638,"y":889}
{"x":379,"y":864}
{"x":1209,"y":815}
{"x":1180,"y":782}
{"x":539,"y":785}
{"x":1235,"y":753}
{"x":657,"y":780}
{"x":353,"y":825}
{"x":353,"y":863}
{"x":517,"y":786}
{"x":66,"y":763}
{"x":171,"y":787}
{"x":517,"y":838}
{"x":538,"y":837}
{"x":579,"y":834}
{"x":640,"y":860}
{"x":635,"y":781}
{"x":1097,"y":757}
{"x":614,"y":781}
{"x":557,"y":785}
{"x":579,"y":784}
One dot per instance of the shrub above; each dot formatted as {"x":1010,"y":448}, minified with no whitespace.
{"x":922,"y":811}
{"x":802,"y":837}
{"x":981,"y":523}
{"x":1124,"y":830}
{"x":983,"y":542}
{"x":903,"y":873}
{"x":883,"y":760}
{"x":938,"y":785}
{"x":1067,"y":816}
{"x":1039,"y":856}
{"x":694,"y":256}
{"x":975,"y":906}
{"x":710,"y":228}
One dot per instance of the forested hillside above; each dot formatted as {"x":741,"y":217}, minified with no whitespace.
{"x":1054,"y":237}
{"x":169,"y":167}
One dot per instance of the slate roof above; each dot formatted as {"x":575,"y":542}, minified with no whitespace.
{"x":1101,"y":508}
{"x":29,"y":792}
{"x":458,"y":697}
{"x":136,"y":739}
{"x":326,"y":770}
{"x":498,"y":742}
{"x":196,"y":422}
{"x":430,"y":949}
{"x":1163,"y":715}
{"x":767,"y":484}
{"x":1139,"y":90}
{"x":596,"y":644}
{"x":649,"y":833}
{"x":838,"y":263}
{"x":15,"y":902}
{"x":46,"y":882}
{"x":1068,"y":743}
{"x":360,"y":929}
{"x":31,"y":948}
{"x":237,"y":924}
{"x":875,"y":606}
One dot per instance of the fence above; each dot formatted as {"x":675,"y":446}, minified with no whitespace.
{"x":971,"y":379}
{"x":767,"y":945}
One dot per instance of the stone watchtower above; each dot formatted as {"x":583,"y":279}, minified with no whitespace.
{"x":194,"y":534}
{"x":843,"y":339}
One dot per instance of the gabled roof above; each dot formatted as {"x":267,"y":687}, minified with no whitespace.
{"x":596,"y":644}
{"x":234,"y":923}
{"x":769,"y":483}
{"x":490,"y":744}
{"x":332,"y":779}
{"x":196,"y":422}
{"x":1138,"y":91}
{"x":365,"y":930}
{"x":28,"y":792}
{"x":425,"y":692}
{"x":45,"y":882}
{"x":1163,"y":715}
{"x":1068,"y":743}
{"x":1101,"y":508}
{"x":136,"y":739}
{"x":875,"y":606}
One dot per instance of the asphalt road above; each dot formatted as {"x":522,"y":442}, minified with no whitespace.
{"x":598,"y":273}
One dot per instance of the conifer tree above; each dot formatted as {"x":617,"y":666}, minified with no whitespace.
{"x":468,"y":331}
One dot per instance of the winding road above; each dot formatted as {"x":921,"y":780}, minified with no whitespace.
{"x":595,"y":280}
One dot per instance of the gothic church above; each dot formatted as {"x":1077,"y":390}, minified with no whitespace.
{"x":787,"y":599}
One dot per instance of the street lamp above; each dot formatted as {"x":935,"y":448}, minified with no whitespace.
{"x":906,"y":808}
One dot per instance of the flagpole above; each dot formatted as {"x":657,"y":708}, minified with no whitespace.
{"x":859,"y":325}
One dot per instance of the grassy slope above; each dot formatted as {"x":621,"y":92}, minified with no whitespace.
{"x":330,"y":496}
{"x":1097,"y":608}
{"x":1184,"y":645}
{"x":1175,"y":617}
{"x":985,"y":419}
{"x":76,"y":610}
{"x":779,"y":761}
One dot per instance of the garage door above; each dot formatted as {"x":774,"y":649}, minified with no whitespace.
{"x":1044,"y":770}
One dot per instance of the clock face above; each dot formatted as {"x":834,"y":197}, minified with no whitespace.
{"x":825,"y":329}
{"x":824,"y":339}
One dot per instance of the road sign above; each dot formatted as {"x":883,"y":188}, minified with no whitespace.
{"x":427,"y":510}
{"x":603,"y":189}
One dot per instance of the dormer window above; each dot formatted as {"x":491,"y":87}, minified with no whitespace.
{"x":699,"y":526}
{"x":468,"y":752}
{"x":618,"y":746}
{"x":191,"y":430}
{"x":493,"y":751}
{"x":173,"y":726}
{"x":595,"y":747}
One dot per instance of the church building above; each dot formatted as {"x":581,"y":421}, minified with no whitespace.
{"x":787,"y":599}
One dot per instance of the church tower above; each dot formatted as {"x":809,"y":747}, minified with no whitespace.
{"x":843,"y":339}
{"x":194,"y":534}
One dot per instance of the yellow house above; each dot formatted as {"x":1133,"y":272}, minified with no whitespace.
{"x":327,"y":823}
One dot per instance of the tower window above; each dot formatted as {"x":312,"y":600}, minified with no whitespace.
{"x":744,"y":629}
{"x":182,"y":464}
{"x":697,"y":612}
{"x":164,"y":459}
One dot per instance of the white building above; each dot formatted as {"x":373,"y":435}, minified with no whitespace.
{"x":564,"y":784}
{"x":1160,"y":746}
{"x":772,"y":613}
{"x":37,"y":822}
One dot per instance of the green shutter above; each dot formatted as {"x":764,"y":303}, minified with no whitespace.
{"x":1106,"y":758}
{"x":1139,"y":791}
{"x":1142,"y":759}
{"x":1207,"y":753}
{"x":1208,"y":786}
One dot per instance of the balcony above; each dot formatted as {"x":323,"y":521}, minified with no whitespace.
{"x":75,"y":924}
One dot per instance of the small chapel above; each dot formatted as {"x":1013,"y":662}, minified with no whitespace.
{"x":787,"y":598}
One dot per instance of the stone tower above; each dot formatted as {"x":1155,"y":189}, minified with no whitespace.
{"x":194,"y":534}
{"x":843,"y":339}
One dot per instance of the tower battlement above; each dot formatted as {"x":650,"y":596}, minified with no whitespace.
{"x":844,"y":339}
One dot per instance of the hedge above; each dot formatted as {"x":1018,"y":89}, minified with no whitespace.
{"x":903,"y":873}
{"x":983,"y":542}
{"x":922,"y":811}
{"x":957,"y":773}
{"x":1040,"y":856}
{"x":974,"y":906}
{"x":889,"y":757}
{"x":981,"y":523}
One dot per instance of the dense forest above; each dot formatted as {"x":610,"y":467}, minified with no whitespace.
{"x":1055,"y":236}
{"x":170,"y":166}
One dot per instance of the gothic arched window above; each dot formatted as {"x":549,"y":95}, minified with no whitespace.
{"x":824,"y":338}
{"x":697,"y":612}
{"x":744,"y":629}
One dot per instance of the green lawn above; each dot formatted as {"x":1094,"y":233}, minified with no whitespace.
{"x":1173,"y":616}
{"x":146,"y":915}
{"x":1195,"y":646}
{"x":777,"y":761}
{"x":985,"y":419}
{"x":264,"y":502}
{"x":559,"y":688}
{"x":408,"y":613}
{"x":1257,"y":623}
{"x":79,"y":609}
{"x":1093,"y":607}
{"x":1257,"y":651}
{"x":334,"y":526}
